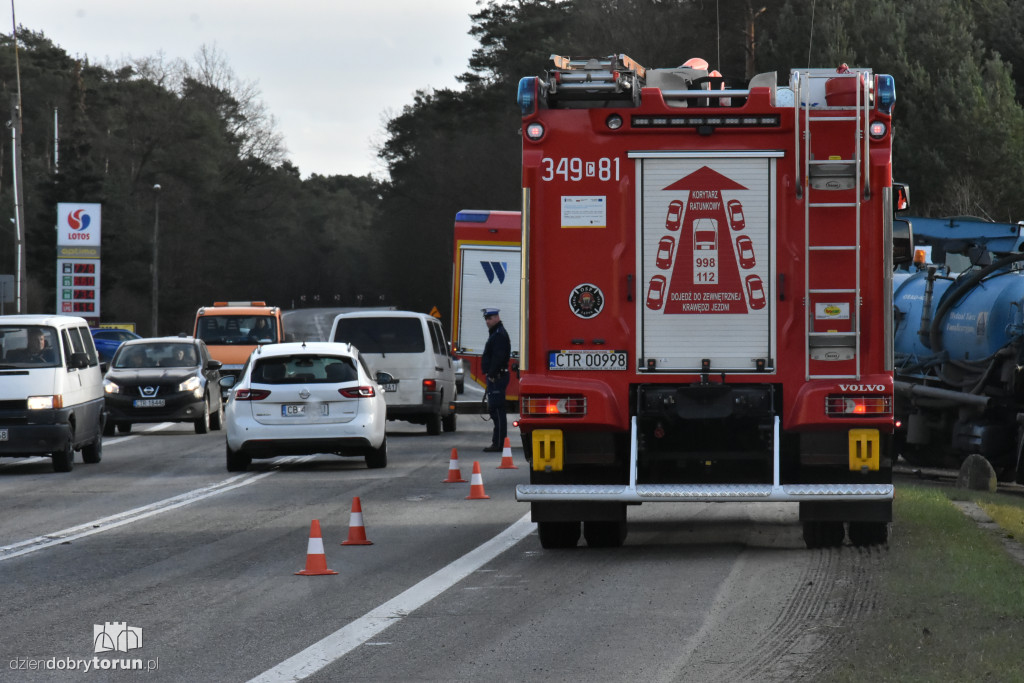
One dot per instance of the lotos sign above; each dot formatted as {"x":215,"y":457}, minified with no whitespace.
{"x":78,"y":230}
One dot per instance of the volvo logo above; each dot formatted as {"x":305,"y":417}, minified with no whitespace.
{"x":861,"y":387}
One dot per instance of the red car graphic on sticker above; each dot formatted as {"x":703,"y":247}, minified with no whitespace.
{"x":666,"y":247}
{"x":755,"y":292}
{"x":675,"y":215}
{"x":656,"y":292}
{"x":745,"y":249}
{"x":735,"y":210}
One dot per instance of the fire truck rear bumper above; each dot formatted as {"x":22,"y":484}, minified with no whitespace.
{"x":641,"y":492}
{"x":649,"y":493}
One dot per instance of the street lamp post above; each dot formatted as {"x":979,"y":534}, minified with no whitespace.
{"x":156,"y":253}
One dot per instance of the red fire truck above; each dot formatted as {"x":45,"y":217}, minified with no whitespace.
{"x":707,"y":300}
{"x":486,"y":275}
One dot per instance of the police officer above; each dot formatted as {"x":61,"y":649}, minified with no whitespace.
{"x":494,"y":364}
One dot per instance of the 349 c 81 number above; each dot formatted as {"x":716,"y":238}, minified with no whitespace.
{"x":575,"y":169}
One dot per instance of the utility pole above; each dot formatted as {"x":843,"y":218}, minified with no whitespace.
{"x":156,"y":262}
{"x":20,"y":288}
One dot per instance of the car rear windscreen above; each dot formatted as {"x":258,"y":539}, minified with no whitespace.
{"x":382,"y":335}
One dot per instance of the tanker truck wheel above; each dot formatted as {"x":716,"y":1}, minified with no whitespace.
{"x":558,"y":534}
{"x":869,"y":533}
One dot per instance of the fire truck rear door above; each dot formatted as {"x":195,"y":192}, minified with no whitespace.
{"x":711,"y":298}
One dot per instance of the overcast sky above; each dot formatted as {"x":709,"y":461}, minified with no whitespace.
{"x":331,"y":71}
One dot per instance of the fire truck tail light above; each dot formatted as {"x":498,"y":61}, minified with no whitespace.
{"x":527,"y":96}
{"x":878,"y":130}
{"x":614,"y":122}
{"x":535,"y":131}
{"x":886,"y":93}
{"x":539,"y":406}
{"x":858,"y":406}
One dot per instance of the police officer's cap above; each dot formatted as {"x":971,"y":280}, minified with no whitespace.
{"x":488,"y":312}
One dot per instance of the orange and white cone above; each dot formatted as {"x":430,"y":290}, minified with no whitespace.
{"x":476,"y":484}
{"x":454,"y":474}
{"x":316,"y":561}
{"x":506,"y":457}
{"x":356,"y":530}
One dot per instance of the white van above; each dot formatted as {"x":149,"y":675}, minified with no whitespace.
{"x":51,"y":389}
{"x":412,"y":348}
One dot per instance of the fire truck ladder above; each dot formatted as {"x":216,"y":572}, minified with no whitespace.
{"x":613,"y":78}
{"x":825,"y":222}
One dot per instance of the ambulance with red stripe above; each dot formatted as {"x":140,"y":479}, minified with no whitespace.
{"x":707,"y":296}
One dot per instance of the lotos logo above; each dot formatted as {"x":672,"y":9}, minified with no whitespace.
{"x":861,"y":387}
{"x":833,"y":310}
{"x":79,"y":220}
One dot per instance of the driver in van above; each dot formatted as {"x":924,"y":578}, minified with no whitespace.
{"x":36,"y":350}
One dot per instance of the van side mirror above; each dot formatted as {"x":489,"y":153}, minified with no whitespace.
{"x":213,"y":364}
{"x":385,"y":378}
{"x":77,"y":361}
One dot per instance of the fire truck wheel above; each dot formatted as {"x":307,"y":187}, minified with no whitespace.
{"x":605,"y":534}
{"x":868,"y":533}
{"x":558,"y":534}
{"x":823,"y":534}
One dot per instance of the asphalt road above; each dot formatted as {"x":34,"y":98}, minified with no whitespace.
{"x":160,"y":537}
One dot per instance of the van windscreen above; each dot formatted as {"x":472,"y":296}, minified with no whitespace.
{"x":382,"y":335}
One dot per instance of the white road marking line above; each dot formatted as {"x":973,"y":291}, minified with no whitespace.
{"x":347,"y":638}
{"x":129,"y":516}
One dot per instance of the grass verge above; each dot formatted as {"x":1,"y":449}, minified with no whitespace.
{"x":950,"y":604}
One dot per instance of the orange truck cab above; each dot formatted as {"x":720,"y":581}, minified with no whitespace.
{"x":233,"y":329}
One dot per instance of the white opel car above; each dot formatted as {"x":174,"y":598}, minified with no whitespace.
{"x":303,"y":398}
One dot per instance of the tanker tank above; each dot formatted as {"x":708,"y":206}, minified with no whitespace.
{"x":959,"y":348}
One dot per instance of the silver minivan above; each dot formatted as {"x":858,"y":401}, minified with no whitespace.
{"x":51,"y":389}
{"x":412,"y":348}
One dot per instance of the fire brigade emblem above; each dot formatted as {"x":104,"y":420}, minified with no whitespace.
{"x":586,"y":300}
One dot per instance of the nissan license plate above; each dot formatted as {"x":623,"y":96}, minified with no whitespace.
{"x":390,"y":386}
{"x":3,"y":435}
{"x":148,"y":403}
{"x":587,"y":360}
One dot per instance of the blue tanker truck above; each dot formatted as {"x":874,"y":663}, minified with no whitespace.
{"x":959,"y":345}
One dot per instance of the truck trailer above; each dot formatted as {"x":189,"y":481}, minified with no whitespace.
{"x":706,"y":295}
{"x":486,"y":275}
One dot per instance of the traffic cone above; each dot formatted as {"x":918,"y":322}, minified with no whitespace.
{"x":476,"y":486}
{"x":356,"y":530}
{"x":506,"y":457}
{"x":316,"y":561}
{"x":454,"y":475}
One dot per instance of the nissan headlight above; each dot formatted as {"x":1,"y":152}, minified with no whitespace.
{"x":192,"y":384}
